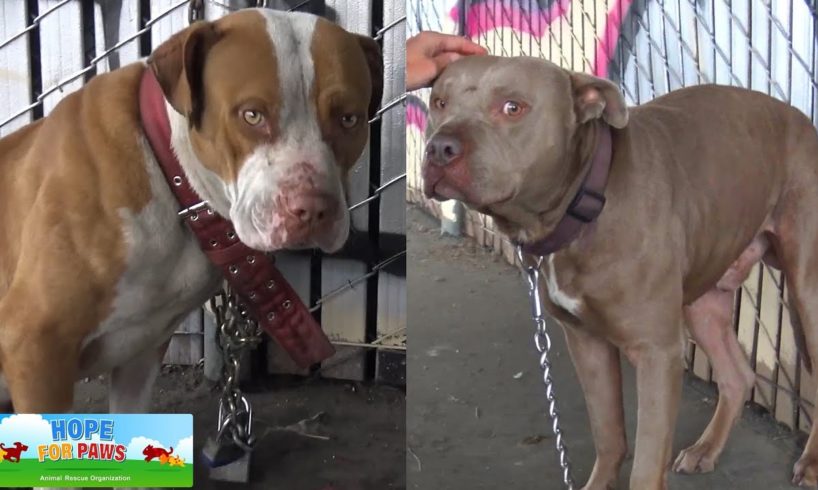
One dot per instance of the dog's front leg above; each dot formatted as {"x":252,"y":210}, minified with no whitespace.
{"x":40,"y":369}
{"x":132,"y":383}
{"x":659,"y":370}
{"x":597,"y":365}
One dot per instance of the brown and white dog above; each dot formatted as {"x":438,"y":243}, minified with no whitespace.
{"x":268,"y":112}
{"x":704,"y":183}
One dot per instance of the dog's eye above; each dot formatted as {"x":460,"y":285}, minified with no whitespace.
{"x":512,"y":108}
{"x":440,"y":103}
{"x":349,"y":121}
{"x":252,"y":117}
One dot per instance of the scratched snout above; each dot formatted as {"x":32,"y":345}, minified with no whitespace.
{"x":292,"y":205}
{"x":305,"y":211}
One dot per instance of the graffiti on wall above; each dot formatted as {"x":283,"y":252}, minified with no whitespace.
{"x":543,"y":21}
{"x":648,"y":46}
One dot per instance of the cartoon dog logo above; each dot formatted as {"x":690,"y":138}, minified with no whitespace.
{"x":151,"y":452}
{"x":12,"y":454}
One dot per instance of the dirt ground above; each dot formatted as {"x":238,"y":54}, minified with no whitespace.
{"x":362,"y":432}
{"x":476,"y":417}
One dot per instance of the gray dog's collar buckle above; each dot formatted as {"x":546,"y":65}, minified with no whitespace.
{"x":587,"y":205}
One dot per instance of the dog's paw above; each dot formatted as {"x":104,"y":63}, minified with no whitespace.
{"x":805,"y":472}
{"x":698,"y":458}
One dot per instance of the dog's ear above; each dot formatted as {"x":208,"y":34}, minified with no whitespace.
{"x":596,"y":97}
{"x":374,"y":59}
{"x":178,"y":64}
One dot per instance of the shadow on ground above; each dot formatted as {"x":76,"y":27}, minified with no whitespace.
{"x":476,"y":417}
{"x":361,"y":443}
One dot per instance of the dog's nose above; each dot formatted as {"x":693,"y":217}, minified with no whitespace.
{"x":311,"y":209}
{"x":443,"y":149}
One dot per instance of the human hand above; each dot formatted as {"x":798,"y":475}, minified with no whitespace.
{"x":428,"y":53}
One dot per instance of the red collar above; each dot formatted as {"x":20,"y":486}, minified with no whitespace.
{"x":252,"y":274}
{"x":587,"y":203}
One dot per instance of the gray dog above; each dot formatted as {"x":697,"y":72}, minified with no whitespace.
{"x":649,"y":219}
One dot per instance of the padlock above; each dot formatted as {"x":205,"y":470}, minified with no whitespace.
{"x":220,"y":451}
{"x":237,"y":471}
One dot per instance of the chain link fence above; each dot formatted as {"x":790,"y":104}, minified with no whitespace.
{"x":650,"y":47}
{"x":49,"y":48}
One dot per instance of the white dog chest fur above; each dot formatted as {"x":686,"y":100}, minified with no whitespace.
{"x":558,"y":296}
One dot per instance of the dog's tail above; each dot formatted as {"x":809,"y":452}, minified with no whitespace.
{"x":2,"y":446}
{"x":171,"y":450}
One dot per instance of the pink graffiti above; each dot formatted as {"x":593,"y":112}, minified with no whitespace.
{"x":607,"y":43}
{"x":415,"y":116}
{"x":487,"y":15}
{"x":493,"y":14}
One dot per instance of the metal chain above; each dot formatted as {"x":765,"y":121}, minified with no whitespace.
{"x":543,"y":342}
{"x":237,"y":333}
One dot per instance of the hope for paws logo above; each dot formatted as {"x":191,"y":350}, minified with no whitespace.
{"x":92,"y":439}
{"x":52,"y":450}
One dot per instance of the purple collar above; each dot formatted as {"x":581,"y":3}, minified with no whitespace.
{"x":587,"y":203}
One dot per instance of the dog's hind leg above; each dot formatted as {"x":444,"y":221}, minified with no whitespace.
{"x":803,"y":299}
{"x":132,"y":383}
{"x":795,"y":241}
{"x":802,"y":281}
{"x":709,"y":321}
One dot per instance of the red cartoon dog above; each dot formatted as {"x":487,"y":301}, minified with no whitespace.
{"x":151,"y":452}
{"x":13,"y":453}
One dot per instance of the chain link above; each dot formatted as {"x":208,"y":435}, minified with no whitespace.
{"x":237,"y":333}
{"x":543,"y":342}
